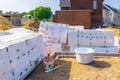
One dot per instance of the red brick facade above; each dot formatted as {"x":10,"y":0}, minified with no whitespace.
{"x":74,"y":17}
{"x":80,"y":17}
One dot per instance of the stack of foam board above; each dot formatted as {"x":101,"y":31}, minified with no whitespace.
{"x":19,"y":30}
{"x":5,"y":69}
{"x":73,"y":37}
{"x":54,"y":34}
{"x":99,"y":40}
{"x":53,"y":47}
{"x":84,"y":38}
{"x":19,"y":54}
{"x":80,"y":27}
{"x":2,"y":33}
{"x":109,"y":38}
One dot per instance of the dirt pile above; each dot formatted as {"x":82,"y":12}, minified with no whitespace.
{"x":5,"y":24}
{"x":30,"y":28}
{"x":33,"y":23}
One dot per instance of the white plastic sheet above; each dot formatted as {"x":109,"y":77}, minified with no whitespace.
{"x":21,"y":53}
{"x":53,"y":47}
{"x":109,"y":38}
{"x":102,"y":41}
{"x":54,"y":32}
{"x":19,"y":30}
{"x":2,"y":33}
{"x":77,"y":27}
{"x":73,"y":37}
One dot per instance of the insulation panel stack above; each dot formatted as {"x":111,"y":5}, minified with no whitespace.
{"x":19,"y":54}
{"x":54,"y":34}
{"x":100,"y":40}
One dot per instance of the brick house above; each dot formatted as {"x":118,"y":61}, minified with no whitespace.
{"x":14,"y":18}
{"x":80,"y":12}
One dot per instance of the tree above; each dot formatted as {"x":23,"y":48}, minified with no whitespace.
{"x":41,"y":12}
{"x":22,"y":14}
{"x":10,"y":12}
{"x":31,"y":12}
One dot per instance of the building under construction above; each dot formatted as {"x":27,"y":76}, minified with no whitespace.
{"x":14,"y":18}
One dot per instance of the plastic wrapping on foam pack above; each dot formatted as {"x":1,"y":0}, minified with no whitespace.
{"x":73,"y":37}
{"x":77,"y":27}
{"x":19,"y":30}
{"x":22,"y":51}
{"x":53,"y":47}
{"x":112,"y":49}
{"x":109,"y":37}
{"x":21,"y":66}
{"x":97,"y":38}
{"x":53,"y":32}
{"x":84,"y":38}
{"x":84,"y":41}
{"x":2,"y":33}
{"x":60,"y":33}
{"x":116,"y":42}
{"x":56,"y":35}
{"x":17,"y":36}
{"x":102,"y":41}
{"x":63,"y":36}
{"x":5,"y":69}
{"x":97,"y":41}
{"x":17,"y":51}
{"x":100,"y":49}
{"x":85,"y":33}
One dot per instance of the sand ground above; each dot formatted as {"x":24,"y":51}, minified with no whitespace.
{"x":100,"y":69}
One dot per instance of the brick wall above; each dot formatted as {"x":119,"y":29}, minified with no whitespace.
{"x":65,"y":8}
{"x":88,"y":5}
{"x":81,"y":4}
{"x":74,"y":17}
{"x":96,"y":14}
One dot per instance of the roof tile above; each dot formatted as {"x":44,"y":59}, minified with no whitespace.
{"x":64,"y":3}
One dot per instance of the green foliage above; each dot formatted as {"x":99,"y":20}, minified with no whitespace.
{"x":22,"y":14}
{"x":31,"y":12}
{"x":41,"y":12}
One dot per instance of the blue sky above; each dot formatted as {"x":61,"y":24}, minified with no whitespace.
{"x":113,"y":3}
{"x":26,"y":5}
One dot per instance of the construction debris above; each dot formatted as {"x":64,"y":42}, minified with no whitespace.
{"x":33,"y":23}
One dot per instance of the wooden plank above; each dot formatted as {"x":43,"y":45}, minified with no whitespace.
{"x":95,"y":54}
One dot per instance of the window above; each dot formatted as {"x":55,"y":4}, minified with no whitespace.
{"x":94,"y":4}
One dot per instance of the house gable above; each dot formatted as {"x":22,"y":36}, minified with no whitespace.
{"x":110,"y":8}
